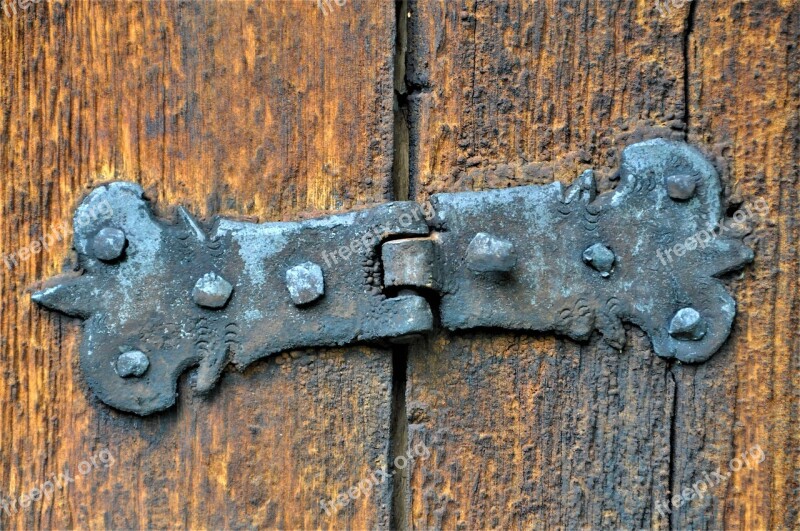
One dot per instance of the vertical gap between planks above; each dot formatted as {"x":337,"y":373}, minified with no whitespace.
{"x":400,"y":482}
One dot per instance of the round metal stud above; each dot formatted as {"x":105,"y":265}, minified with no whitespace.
{"x":108,"y":244}
{"x":600,"y":257}
{"x":687,"y":325}
{"x":487,"y":253}
{"x":133,"y":363}
{"x":681,"y":187}
{"x":305,"y":283}
{"x":212,"y":291}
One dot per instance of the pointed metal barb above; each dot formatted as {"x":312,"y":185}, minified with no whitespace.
{"x":159,"y":297}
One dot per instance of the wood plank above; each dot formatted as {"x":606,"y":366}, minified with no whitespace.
{"x":744,"y":100}
{"x":525,"y":430}
{"x":270,"y":110}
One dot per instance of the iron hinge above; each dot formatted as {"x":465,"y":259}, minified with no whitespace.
{"x":159,"y":297}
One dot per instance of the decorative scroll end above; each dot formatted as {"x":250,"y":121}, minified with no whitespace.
{"x":679,"y":240}
{"x":159,"y":297}
{"x":646,"y":253}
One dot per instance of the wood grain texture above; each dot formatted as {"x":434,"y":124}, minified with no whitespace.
{"x":276,"y":111}
{"x":529,"y":431}
{"x":744,"y":101}
{"x":270,"y":110}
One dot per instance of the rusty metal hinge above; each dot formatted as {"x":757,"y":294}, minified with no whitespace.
{"x":159,"y":297}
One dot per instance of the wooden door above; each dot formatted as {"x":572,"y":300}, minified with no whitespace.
{"x":287,"y":109}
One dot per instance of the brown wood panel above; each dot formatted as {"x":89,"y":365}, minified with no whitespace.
{"x":528,"y":430}
{"x":272,"y":110}
{"x":744,"y":101}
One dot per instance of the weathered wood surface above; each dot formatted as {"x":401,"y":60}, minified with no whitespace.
{"x":271,"y":110}
{"x":275,"y":110}
{"x":527,"y":431}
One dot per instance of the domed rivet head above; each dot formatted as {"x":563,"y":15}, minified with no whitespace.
{"x":212,"y":291}
{"x":681,"y":187}
{"x":132,"y":364}
{"x":305,"y":283}
{"x":108,"y":244}
{"x":687,"y":325}
{"x":600,"y":257}
{"x":487,"y":253}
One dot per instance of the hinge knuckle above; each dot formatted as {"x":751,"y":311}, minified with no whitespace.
{"x":410,"y":263}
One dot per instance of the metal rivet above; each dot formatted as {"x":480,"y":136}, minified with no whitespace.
{"x":681,"y":187}
{"x":108,"y":244}
{"x":687,"y":325}
{"x":132,"y":363}
{"x":305,"y":283}
{"x":212,"y":291}
{"x":600,"y":257}
{"x":487,"y":253}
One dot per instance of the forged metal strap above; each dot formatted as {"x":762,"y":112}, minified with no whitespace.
{"x":160,"y":297}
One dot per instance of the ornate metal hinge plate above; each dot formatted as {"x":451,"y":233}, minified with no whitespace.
{"x":159,"y":297}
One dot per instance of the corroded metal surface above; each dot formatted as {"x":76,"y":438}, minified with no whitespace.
{"x":159,"y":297}
{"x":167,"y":295}
{"x":587,"y":262}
